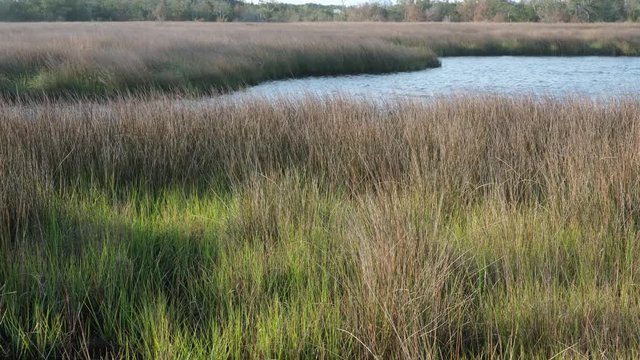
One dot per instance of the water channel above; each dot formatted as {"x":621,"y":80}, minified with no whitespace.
{"x":591,"y":76}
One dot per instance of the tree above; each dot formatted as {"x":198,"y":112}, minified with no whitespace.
{"x":367,"y":12}
{"x":442,"y":11}
{"x":597,"y":10}
{"x":610,"y":10}
{"x":551,"y":10}
{"x":494,"y":10}
{"x":582,"y":10}
{"x":632,"y":9}
{"x":160,"y":12}
{"x":414,"y":10}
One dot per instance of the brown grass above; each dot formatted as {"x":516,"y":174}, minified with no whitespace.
{"x":470,"y":227}
{"x":521,"y":150}
{"x":98,"y":59}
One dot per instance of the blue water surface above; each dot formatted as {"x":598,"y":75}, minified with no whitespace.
{"x":591,"y":76}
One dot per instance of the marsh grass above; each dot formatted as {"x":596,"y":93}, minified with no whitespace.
{"x":462,"y":228}
{"x":531,"y":39}
{"x":98,"y":60}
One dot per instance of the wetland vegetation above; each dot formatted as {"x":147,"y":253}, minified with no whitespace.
{"x":102,"y":59}
{"x":136,"y":225}
{"x":475,"y":227}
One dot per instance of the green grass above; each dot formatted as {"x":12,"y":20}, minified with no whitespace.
{"x":173,"y":275}
{"x":462,"y":228}
{"x":282,"y":269}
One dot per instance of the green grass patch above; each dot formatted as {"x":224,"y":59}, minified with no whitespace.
{"x":284,"y":270}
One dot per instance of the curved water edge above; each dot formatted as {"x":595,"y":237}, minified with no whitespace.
{"x":591,"y":76}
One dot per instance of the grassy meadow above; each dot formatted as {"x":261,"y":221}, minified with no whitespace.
{"x":73,"y":60}
{"x":479,"y":227}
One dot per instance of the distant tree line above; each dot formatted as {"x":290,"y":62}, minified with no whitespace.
{"x":171,"y":10}
{"x":500,"y":11}
{"x":402,"y":10}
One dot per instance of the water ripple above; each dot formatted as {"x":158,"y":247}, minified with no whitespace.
{"x":538,"y":76}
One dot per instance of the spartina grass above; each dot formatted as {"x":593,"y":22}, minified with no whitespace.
{"x":477,"y":227}
{"x":99,"y":60}
{"x":415,"y":294}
